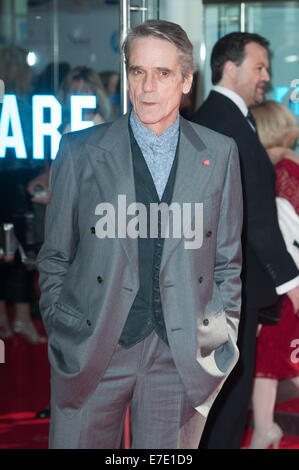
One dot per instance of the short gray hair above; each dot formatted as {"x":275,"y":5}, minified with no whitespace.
{"x":168,"y":31}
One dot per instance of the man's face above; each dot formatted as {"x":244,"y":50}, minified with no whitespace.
{"x":155,"y":82}
{"x":253,"y":74}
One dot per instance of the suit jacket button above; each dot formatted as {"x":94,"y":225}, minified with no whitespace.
{"x":200,"y":279}
{"x":209,"y":233}
{"x":92,"y":229}
{"x":206,"y":322}
{"x":88,"y":322}
{"x":99,"y":279}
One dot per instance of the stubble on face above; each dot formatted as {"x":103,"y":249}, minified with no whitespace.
{"x":253,"y":74}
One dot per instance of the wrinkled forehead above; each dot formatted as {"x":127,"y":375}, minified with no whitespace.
{"x":153,"y":48}
{"x":152,"y":52}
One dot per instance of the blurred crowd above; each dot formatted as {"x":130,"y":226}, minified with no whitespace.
{"x":24,"y":183}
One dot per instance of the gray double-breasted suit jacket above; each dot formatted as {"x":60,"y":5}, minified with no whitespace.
{"x":88,"y":284}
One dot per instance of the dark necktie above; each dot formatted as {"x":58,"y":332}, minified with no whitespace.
{"x":251,"y":120}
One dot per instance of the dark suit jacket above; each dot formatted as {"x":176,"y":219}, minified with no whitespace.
{"x":267,"y":264}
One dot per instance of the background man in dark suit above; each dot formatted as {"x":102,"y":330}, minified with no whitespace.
{"x":240,"y":71}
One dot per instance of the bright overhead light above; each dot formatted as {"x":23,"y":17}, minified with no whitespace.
{"x":31,"y":59}
{"x":291,"y":58}
{"x":202,"y":52}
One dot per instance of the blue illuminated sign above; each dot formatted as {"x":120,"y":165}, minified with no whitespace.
{"x":282,"y":91}
{"x":78,"y":103}
{"x":10,"y":121}
{"x":41,"y":128}
{"x":11,"y":134}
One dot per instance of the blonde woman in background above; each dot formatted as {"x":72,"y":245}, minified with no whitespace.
{"x":83,"y":81}
{"x":278,"y":132}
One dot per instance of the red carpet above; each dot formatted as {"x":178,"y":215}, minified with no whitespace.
{"x":291,"y":406}
{"x":23,"y":431}
{"x":25,"y":390}
{"x":287,"y":442}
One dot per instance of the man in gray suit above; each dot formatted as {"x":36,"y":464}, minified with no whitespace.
{"x":138,"y":314}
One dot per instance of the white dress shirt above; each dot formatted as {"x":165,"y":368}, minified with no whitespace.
{"x":238,"y":100}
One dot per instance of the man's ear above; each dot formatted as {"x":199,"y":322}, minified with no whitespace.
{"x":230,"y":69}
{"x":187,"y":83}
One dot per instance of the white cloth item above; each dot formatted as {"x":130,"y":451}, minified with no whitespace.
{"x":284,"y":288}
{"x":289,"y":226}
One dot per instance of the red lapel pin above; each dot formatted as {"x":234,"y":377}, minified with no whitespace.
{"x":206,"y":162}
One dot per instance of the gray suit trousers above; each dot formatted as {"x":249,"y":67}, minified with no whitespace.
{"x":145,"y":377}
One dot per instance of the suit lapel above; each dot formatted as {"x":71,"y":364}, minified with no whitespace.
{"x":111,"y":160}
{"x":194,"y":170}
